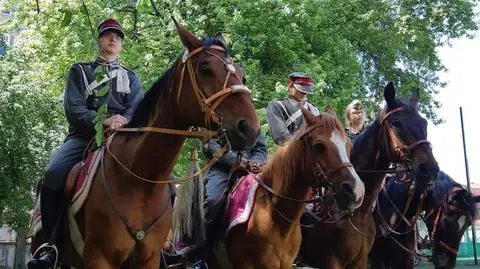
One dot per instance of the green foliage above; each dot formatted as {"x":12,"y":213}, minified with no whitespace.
{"x":351,"y":48}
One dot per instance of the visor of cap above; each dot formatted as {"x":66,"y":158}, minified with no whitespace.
{"x":303,"y":88}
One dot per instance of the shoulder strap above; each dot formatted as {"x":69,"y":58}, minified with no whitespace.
{"x":291,"y":118}
{"x":88,"y":90}
{"x":106,"y":77}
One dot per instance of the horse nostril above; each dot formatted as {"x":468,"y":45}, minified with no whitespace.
{"x":347,"y":190}
{"x":243,"y":129}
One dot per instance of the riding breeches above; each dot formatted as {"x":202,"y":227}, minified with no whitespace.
{"x":62,"y":161}
{"x":216,"y":184}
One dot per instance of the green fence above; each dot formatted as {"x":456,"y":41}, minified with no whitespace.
{"x":465,"y":250}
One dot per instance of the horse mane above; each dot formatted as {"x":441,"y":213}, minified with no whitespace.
{"x":296,"y":156}
{"x":163,"y":87}
{"x":444,"y":184}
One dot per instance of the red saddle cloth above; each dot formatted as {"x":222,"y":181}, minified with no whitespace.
{"x":242,"y":199}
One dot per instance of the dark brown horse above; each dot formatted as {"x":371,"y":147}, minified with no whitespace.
{"x":398,"y":135}
{"x":314,"y":156}
{"x":449,"y":210}
{"x":128,"y":213}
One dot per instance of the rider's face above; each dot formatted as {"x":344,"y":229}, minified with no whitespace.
{"x":111,"y":43}
{"x":297,"y":95}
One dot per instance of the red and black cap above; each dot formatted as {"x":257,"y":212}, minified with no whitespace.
{"x":301,"y":82}
{"x":110,"y":25}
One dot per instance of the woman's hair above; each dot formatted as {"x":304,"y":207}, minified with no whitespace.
{"x":354,"y":105}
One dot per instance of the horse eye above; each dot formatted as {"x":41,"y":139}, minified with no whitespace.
{"x":244,"y":80}
{"x":205,"y":71}
{"x":319,"y":148}
{"x":396,"y":123}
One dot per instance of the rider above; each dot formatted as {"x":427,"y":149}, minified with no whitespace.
{"x":355,"y":118}
{"x":81,"y":104}
{"x":284,"y":116}
{"x":217,"y":182}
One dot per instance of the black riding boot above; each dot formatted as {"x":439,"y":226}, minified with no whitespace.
{"x":53,"y":208}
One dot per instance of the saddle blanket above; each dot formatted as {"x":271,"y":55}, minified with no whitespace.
{"x":242,"y":199}
{"x":80,"y":194}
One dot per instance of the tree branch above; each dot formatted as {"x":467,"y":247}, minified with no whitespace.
{"x":38,"y":7}
{"x":155,"y":7}
{"x":89,"y":21}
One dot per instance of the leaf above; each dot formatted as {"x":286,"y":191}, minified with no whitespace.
{"x":99,"y":137}
{"x":103,"y":91}
{"x":67,"y":18}
{"x":99,"y":76}
{"x":98,"y":122}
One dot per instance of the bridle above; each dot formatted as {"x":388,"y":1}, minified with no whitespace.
{"x":208,"y":106}
{"x":438,"y":215}
{"x":321,"y":180}
{"x":404,"y":151}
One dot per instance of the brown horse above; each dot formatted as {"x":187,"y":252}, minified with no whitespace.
{"x":128,"y":213}
{"x":315,"y":156}
{"x":398,"y":135}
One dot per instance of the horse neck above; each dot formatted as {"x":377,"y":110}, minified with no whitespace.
{"x":368,"y":155}
{"x":286,"y":175}
{"x":152,"y":155}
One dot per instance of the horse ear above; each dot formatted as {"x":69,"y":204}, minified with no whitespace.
{"x":330,"y":111}
{"x":221,"y":39}
{"x":310,"y":119}
{"x":389,"y":93}
{"x":415,"y":96}
{"x":189,"y":40}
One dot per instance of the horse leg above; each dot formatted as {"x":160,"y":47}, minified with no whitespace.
{"x":333,"y":263}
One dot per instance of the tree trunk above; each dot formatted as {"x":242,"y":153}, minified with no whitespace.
{"x":20,"y":249}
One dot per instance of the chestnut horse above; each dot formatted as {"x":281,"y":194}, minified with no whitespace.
{"x":128,"y":213}
{"x":397,"y":136}
{"x":449,"y":210}
{"x":315,"y":156}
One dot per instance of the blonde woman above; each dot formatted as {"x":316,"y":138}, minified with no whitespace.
{"x":355,"y":118}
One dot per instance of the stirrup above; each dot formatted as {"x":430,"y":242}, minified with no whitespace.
{"x":47,"y":246}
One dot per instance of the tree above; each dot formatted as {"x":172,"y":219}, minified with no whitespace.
{"x":351,"y":48}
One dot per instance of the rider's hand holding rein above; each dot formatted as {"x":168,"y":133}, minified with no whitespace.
{"x":114,"y":122}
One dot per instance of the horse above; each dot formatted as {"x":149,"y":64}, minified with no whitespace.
{"x":398,"y":207}
{"x":449,"y":210}
{"x":315,"y":157}
{"x":128,"y":212}
{"x":397,"y":136}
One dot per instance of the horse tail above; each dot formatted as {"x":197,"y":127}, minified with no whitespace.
{"x":188,"y":215}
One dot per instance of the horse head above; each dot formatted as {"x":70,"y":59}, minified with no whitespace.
{"x":455,"y":213}
{"x":327,"y":149}
{"x":406,"y":133}
{"x":210,"y":90}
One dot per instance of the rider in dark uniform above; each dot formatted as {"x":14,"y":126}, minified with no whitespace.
{"x":81,"y":105}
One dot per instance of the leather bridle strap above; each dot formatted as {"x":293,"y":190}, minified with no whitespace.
{"x":271,"y":191}
{"x":209,"y":104}
{"x":399,"y":146}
